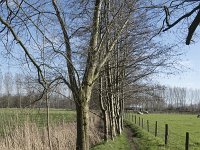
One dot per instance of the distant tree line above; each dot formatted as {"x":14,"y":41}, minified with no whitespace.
{"x":20,"y":91}
{"x":167,"y":99}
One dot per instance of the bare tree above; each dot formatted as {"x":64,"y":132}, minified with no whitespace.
{"x":77,"y":43}
{"x":8,"y":85}
{"x":18,"y":20}
{"x":131,"y":63}
{"x":19,"y":87}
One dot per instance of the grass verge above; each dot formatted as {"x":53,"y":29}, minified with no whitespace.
{"x":120,"y":143}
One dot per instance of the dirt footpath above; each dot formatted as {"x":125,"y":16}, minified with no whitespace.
{"x":130,"y":137}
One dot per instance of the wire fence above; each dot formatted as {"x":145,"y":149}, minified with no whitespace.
{"x":173,"y":138}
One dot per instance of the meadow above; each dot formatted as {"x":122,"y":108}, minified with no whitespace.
{"x":26,"y":129}
{"x":178,"y":125}
{"x":12,"y":118}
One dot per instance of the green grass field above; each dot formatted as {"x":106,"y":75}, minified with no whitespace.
{"x":178,"y":126}
{"x":11,"y":118}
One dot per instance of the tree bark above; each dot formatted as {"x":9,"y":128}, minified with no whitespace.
{"x":82,"y":111}
{"x":82,"y":142}
{"x":103,"y":110}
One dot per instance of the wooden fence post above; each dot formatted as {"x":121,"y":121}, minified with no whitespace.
{"x":139,"y":121}
{"x":166,"y":134}
{"x":187,"y":141}
{"x":156,"y":128}
{"x":142,"y":123}
{"x":148,"y":125}
{"x":135,"y":119}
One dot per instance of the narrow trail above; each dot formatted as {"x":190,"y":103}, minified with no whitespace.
{"x":130,"y":136}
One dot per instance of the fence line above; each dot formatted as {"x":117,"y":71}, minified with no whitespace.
{"x":166,"y":129}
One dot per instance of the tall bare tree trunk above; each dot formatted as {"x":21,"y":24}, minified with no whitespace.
{"x":82,"y":111}
{"x":47,"y":109}
{"x":8,"y":101}
{"x":20,"y":101}
{"x":82,"y":142}
{"x":103,"y":110}
{"x":111,"y":102}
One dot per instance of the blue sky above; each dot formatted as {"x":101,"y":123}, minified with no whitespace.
{"x":189,"y":77}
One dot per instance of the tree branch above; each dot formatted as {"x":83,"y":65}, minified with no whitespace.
{"x":25,"y":50}
{"x":68,"y":48}
{"x":192,"y":28}
{"x":181,"y":18}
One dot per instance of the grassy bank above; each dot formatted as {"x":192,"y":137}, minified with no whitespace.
{"x":120,"y":143}
{"x":144,"y":140}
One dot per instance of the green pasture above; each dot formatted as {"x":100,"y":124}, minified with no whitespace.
{"x":178,"y":125}
{"x":11,"y":118}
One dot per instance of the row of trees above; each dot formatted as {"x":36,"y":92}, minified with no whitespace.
{"x":102,"y":46}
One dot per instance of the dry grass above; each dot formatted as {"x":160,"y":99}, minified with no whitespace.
{"x":30,"y":137}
